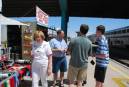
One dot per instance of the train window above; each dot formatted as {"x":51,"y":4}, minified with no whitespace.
{"x":119,"y":32}
{"x":123,"y":31}
{"x":128,"y":30}
{"x":114,"y":32}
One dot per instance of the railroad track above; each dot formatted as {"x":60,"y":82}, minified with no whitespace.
{"x":120,"y":54}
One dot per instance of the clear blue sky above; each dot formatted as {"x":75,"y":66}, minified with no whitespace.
{"x":75,"y":22}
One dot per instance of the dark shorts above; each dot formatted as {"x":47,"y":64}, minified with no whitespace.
{"x":99,"y":74}
{"x":59,"y":63}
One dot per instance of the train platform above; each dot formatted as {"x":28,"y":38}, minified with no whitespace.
{"x":117,"y":76}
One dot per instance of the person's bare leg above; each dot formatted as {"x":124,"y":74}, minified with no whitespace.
{"x":98,"y":84}
{"x":102,"y":85}
{"x":62,"y":77}
{"x":55,"y":78}
{"x":71,"y":84}
{"x":79,"y":83}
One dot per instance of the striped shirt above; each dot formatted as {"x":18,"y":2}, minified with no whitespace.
{"x":102,"y":52}
{"x":57,"y":43}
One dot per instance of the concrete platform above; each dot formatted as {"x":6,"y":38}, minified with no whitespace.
{"x":117,"y":76}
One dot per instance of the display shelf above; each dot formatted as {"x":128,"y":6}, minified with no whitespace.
{"x":27,"y":42}
{"x":27,"y":39}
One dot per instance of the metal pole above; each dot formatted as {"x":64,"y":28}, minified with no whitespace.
{"x":64,"y":15}
{"x":0,"y":26}
{"x":0,"y":5}
{"x":0,"y":41}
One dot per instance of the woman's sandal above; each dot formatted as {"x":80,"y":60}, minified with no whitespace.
{"x":61,"y":85}
{"x":54,"y":84}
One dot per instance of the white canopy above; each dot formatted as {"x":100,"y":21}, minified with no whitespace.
{"x":8,"y":21}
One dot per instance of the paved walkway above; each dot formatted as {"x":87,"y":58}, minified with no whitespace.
{"x":117,"y":75}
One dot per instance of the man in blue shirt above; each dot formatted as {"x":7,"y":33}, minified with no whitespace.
{"x":102,"y":56}
{"x":59,"y":48}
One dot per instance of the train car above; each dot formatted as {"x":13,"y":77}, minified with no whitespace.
{"x":92,"y":38}
{"x":116,"y":38}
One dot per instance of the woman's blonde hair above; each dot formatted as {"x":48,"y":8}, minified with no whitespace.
{"x":39,"y":33}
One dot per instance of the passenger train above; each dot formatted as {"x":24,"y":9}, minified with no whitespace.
{"x":116,"y":38}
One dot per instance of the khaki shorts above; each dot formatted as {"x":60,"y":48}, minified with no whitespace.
{"x":79,"y":74}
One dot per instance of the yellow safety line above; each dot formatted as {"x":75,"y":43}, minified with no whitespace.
{"x":119,"y":80}
{"x":119,"y":71}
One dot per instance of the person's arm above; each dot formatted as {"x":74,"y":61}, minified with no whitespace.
{"x":90,"y":50}
{"x":65,"y":46}
{"x":53,"y":46}
{"x":55,"y":49}
{"x":32,"y":51}
{"x":32,"y":54}
{"x":63,"y":49}
{"x":102,"y":50}
{"x":49,"y":69}
{"x":49,"y":54}
{"x":69,"y":50}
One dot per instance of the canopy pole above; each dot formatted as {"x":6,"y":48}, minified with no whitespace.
{"x":0,"y":6}
{"x":0,"y":40}
{"x":64,"y":15}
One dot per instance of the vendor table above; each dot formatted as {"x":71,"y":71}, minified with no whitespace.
{"x":17,"y":73}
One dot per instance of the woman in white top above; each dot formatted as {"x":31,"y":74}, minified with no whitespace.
{"x":42,"y":60}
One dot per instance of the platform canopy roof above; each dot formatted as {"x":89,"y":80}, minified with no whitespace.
{"x":76,"y":8}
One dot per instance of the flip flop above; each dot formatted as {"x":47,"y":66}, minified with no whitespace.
{"x":84,"y":83}
{"x":61,"y":85}
{"x":54,"y":84}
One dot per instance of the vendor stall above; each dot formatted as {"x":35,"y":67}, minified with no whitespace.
{"x":13,"y":75}
{"x":12,"y":72}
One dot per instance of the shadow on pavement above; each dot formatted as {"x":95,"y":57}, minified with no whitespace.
{"x":28,"y":83}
